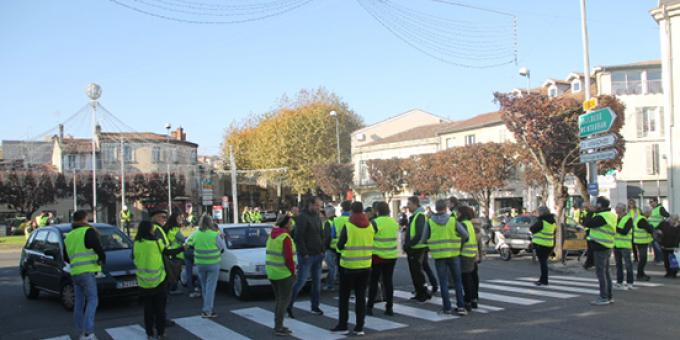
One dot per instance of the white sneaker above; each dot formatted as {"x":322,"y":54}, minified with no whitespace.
{"x":619,"y":286}
{"x":632,"y":287}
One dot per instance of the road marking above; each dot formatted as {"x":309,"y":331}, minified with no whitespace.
{"x":586,"y":279}
{"x":435,"y":300}
{"x":418,"y":313}
{"x":300,"y":329}
{"x":541,"y":293}
{"x":509,"y":299}
{"x":565,"y":282}
{"x":206,"y":329}
{"x":132,"y":332}
{"x":63,"y":337}
{"x":551,"y":286}
{"x":371,"y":322}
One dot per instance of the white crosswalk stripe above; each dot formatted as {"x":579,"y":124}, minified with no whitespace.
{"x":565,"y":282}
{"x":207,"y":329}
{"x":509,"y":299}
{"x":541,"y":293}
{"x":131,"y":332}
{"x":418,"y":313}
{"x":439,"y":302}
{"x":549,"y":287}
{"x":63,"y":337}
{"x":586,"y":279}
{"x":300,"y":329}
{"x":371,"y":322}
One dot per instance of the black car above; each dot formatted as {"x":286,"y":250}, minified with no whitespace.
{"x":517,"y":233}
{"x":42,"y":264}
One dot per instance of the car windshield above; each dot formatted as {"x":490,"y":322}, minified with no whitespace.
{"x":246,"y":237}
{"x":521,"y":220}
{"x":113,"y":239}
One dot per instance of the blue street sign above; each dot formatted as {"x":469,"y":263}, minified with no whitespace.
{"x":593,"y":189}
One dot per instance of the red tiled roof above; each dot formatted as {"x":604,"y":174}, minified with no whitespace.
{"x":421,"y":132}
{"x":77,"y":145}
{"x":140,"y":137}
{"x":481,"y":120}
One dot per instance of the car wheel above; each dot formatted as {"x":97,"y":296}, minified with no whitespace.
{"x":67,"y":296}
{"x":505,"y":253}
{"x":239,"y":285}
{"x":29,"y":289}
{"x":516,"y":251}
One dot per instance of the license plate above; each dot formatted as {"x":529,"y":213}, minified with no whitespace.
{"x":126,"y":284}
{"x":518,"y":242}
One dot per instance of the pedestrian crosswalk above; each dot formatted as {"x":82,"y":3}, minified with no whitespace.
{"x":495,"y":295}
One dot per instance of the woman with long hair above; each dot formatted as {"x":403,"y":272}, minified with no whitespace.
{"x":208,"y":246}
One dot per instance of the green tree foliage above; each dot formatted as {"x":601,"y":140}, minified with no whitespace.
{"x":298,"y":135}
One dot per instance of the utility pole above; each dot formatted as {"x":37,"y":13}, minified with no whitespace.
{"x":94,"y":91}
{"x":167,"y":127}
{"x":591,"y":166}
{"x":122,"y":173}
{"x":234,"y":191}
{"x":75,"y":192}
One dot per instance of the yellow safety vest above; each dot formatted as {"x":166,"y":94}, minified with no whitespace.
{"x":164,"y":236}
{"x":624,"y":241}
{"x":275,"y":264}
{"x":444,"y":241}
{"x":205,"y":247}
{"x":148,"y":260}
{"x":174,"y":244}
{"x":605,"y":234}
{"x":655,"y":217}
{"x":545,"y":237}
{"x":82,"y":259}
{"x":412,"y":232}
{"x":125,"y":216}
{"x":641,"y":236}
{"x":385,"y":240}
{"x":339,"y":223}
{"x":359,"y":247}
{"x":470,"y":246}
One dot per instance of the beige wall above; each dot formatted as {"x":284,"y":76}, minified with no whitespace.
{"x":393,"y":126}
{"x":497,"y":133}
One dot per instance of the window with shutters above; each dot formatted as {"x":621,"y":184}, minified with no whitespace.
{"x":71,"y":162}
{"x":649,"y":121}
{"x":109,"y":153}
{"x":576,"y":85}
{"x":129,"y":154}
{"x":552,"y":91}
{"x":470,"y":139}
{"x":156,"y":154}
{"x":652,"y":156}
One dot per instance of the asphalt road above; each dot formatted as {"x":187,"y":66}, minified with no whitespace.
{"x":647,"y":313}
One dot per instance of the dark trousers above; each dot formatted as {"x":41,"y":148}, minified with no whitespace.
{"x":283,"y":292}
{"x":471,"y":285}
{"x":667,"y":253}
{"x":622,"y":257}
{"x":604,"y":277}
{"x":589,"y":256}
{"x":353,"y":280}
{"x":642,"y":259}
{"x":155,"y":300}
{"x":543,"y":253}
{"x":415,"y":267}
{"x":382,"y":272}
{"x":428,"y":271}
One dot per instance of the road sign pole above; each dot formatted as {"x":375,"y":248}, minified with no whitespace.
{"x":592,"y":166}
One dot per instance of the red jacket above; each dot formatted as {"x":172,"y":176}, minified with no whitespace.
{"x":287,"y":247}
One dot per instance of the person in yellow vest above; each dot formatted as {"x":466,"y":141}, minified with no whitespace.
{"x":43,"y":219}
{"x":257,"y":215}
{"x":416,"y":248}
{"x":471,"y":256}
{"x":602,"y":224}
{"x":446,"y":238}
{"x":84,"y":254}
{"x":280,"y":267}
{"x":245,"y":215}
{"x":331,"y":256}
{"x":543,"y":240}
{"x":158,"y":219}
{"x":173,"y":231}
{"x":356,"y":246}
{"x":339,"y":224}
{"x":385,"y":255}
{"x":148,"y":252}
{"x":623,"y":243}
{"x":642,"y":239}
{"x":125,"y":219}
{"x":657,"y":215}
{"x":208,"y":246}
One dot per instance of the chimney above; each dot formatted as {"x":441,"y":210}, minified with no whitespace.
{"x":98,"y":129}
{"x":61,"y":133}
{"x":180,"y":134}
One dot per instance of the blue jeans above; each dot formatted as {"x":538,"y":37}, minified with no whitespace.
{"x":310,"y":266}
{"x":332,"y":263}
{"x":602,"y":271}
{"x":658,"y":254}
{"x":86,"y":300}
{"x":189,"y":272}
{"x":444,"y":267}
{"x":207,"y":275}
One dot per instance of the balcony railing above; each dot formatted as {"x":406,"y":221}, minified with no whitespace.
{"x":630,"y":87}
{"x":654,"y":86}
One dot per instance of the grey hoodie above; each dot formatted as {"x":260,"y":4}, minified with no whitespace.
{"x":443,"y":218}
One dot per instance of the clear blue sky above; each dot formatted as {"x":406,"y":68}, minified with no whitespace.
{"x":202,"y":77}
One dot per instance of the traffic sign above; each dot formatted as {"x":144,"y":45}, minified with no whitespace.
{"x":589,"y":104}
{"x":595,"y":122}
{"x":593,"y":189}
{"x":598,"y":142}
{"x":599,"y":156}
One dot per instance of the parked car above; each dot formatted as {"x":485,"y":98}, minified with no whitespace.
{"x":517,"y":234}
{"x":43,"y":269}
{"x":243,"y":262}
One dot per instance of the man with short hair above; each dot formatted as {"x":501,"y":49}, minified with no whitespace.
{"x":657,"y":215}
{"x":309,"y":242}
{"x":623,"y":243}
{"x":602,"y":224}
{"x":416,"y":248}
{"x":85,"y":255}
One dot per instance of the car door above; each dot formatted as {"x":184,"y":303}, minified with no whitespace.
{"x":35,"y":258}
{"x":51,"y":263}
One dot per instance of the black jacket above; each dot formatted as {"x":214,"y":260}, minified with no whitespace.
{"x":538,"y":226}
{"x":420,"y":231}
{"x":308,"y":234}
{"x":592,"y":221}
{"x":669,"y":235}
{"x":91,"y":242}
{"x":626,"y":227}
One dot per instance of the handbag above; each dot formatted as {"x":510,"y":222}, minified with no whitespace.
{"x":172,"y":266}
{"x":674,"y":260}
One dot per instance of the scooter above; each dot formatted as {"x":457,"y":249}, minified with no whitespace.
{"x":502,"y":248}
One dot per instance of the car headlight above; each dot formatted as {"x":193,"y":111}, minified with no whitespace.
{"x":260,"y":268}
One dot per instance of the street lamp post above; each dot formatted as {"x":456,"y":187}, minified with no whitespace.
{"x":94,"y":91}
{"x":524,"y":72}
{"x":167,"y":162}
{"x":337,"y":133}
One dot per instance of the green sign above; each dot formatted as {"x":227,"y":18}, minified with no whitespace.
{"x":594,"y":122}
